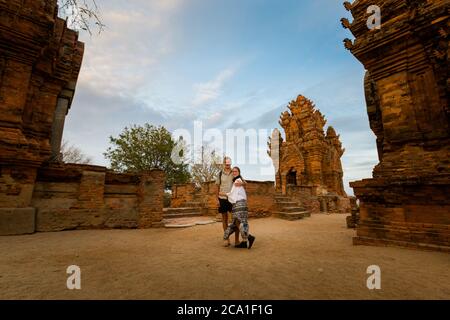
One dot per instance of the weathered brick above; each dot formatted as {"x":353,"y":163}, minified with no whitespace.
{"x":406,"y":88}
{"x":40,"y":59}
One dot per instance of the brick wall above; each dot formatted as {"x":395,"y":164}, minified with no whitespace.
{"x":306,"y":195}
{"x":260,"y":197}
{"x":182,"y":193}
{"x":84,"y":197}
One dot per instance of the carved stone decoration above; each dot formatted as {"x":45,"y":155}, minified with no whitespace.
{"x":308,"y":156}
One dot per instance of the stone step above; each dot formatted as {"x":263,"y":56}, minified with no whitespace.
{"x":287,"y":203}
{"x":179,"y":210}
{"x":182,"y":215}
{"x":293,"y":209}
{"x":182,"y":212}
{"x":282,"y":198}
{"x":179,"y":225}
{"x":187,"y":222}
{"x":193,"y":204}
{"x":291,"y":215}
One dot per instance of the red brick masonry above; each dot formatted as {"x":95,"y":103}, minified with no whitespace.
{"x":407,"y":202}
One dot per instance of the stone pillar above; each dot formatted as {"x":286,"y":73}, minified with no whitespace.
{"x":278,"y":182}
{"x":151,"y":199}
{"x":283,"y":184}
{"x":59,"y":119}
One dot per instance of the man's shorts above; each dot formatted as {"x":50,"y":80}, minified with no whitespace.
{"x":225,"y":206}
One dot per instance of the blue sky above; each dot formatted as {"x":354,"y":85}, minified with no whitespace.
{"x":227,"y":63}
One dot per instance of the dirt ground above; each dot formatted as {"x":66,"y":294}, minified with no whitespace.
{"x":311,"y":258}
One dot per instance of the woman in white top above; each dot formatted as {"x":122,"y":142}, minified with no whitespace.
{"x":238,"y":198}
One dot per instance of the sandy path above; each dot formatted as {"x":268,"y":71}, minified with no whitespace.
{"x":307,"y":259}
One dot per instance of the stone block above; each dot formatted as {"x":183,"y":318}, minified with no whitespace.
{"x":16,"y":221}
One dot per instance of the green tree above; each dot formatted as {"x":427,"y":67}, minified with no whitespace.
{"x":142,"y":148}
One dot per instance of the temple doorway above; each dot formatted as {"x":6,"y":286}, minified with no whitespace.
{"x":291,"y":178}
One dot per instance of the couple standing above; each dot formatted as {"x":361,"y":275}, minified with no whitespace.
{"x":233,"y":199}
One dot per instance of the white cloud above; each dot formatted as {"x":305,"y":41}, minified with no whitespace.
{"x":124,"y":58}
{"x":167,"y":4}
{"x":210,"y":91}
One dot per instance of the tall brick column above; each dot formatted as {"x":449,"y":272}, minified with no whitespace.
{"x":407,"y":202}
{"x":39,"y":59}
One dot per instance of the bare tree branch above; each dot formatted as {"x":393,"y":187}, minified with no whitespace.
{"x":81,"y":14}
{"x":72,"y":154}
{"x":207,"y":168}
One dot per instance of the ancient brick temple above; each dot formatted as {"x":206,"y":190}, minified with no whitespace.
{"x":407,"y":202}
{"x":40,"y":59}
{"x":308,"y":156}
